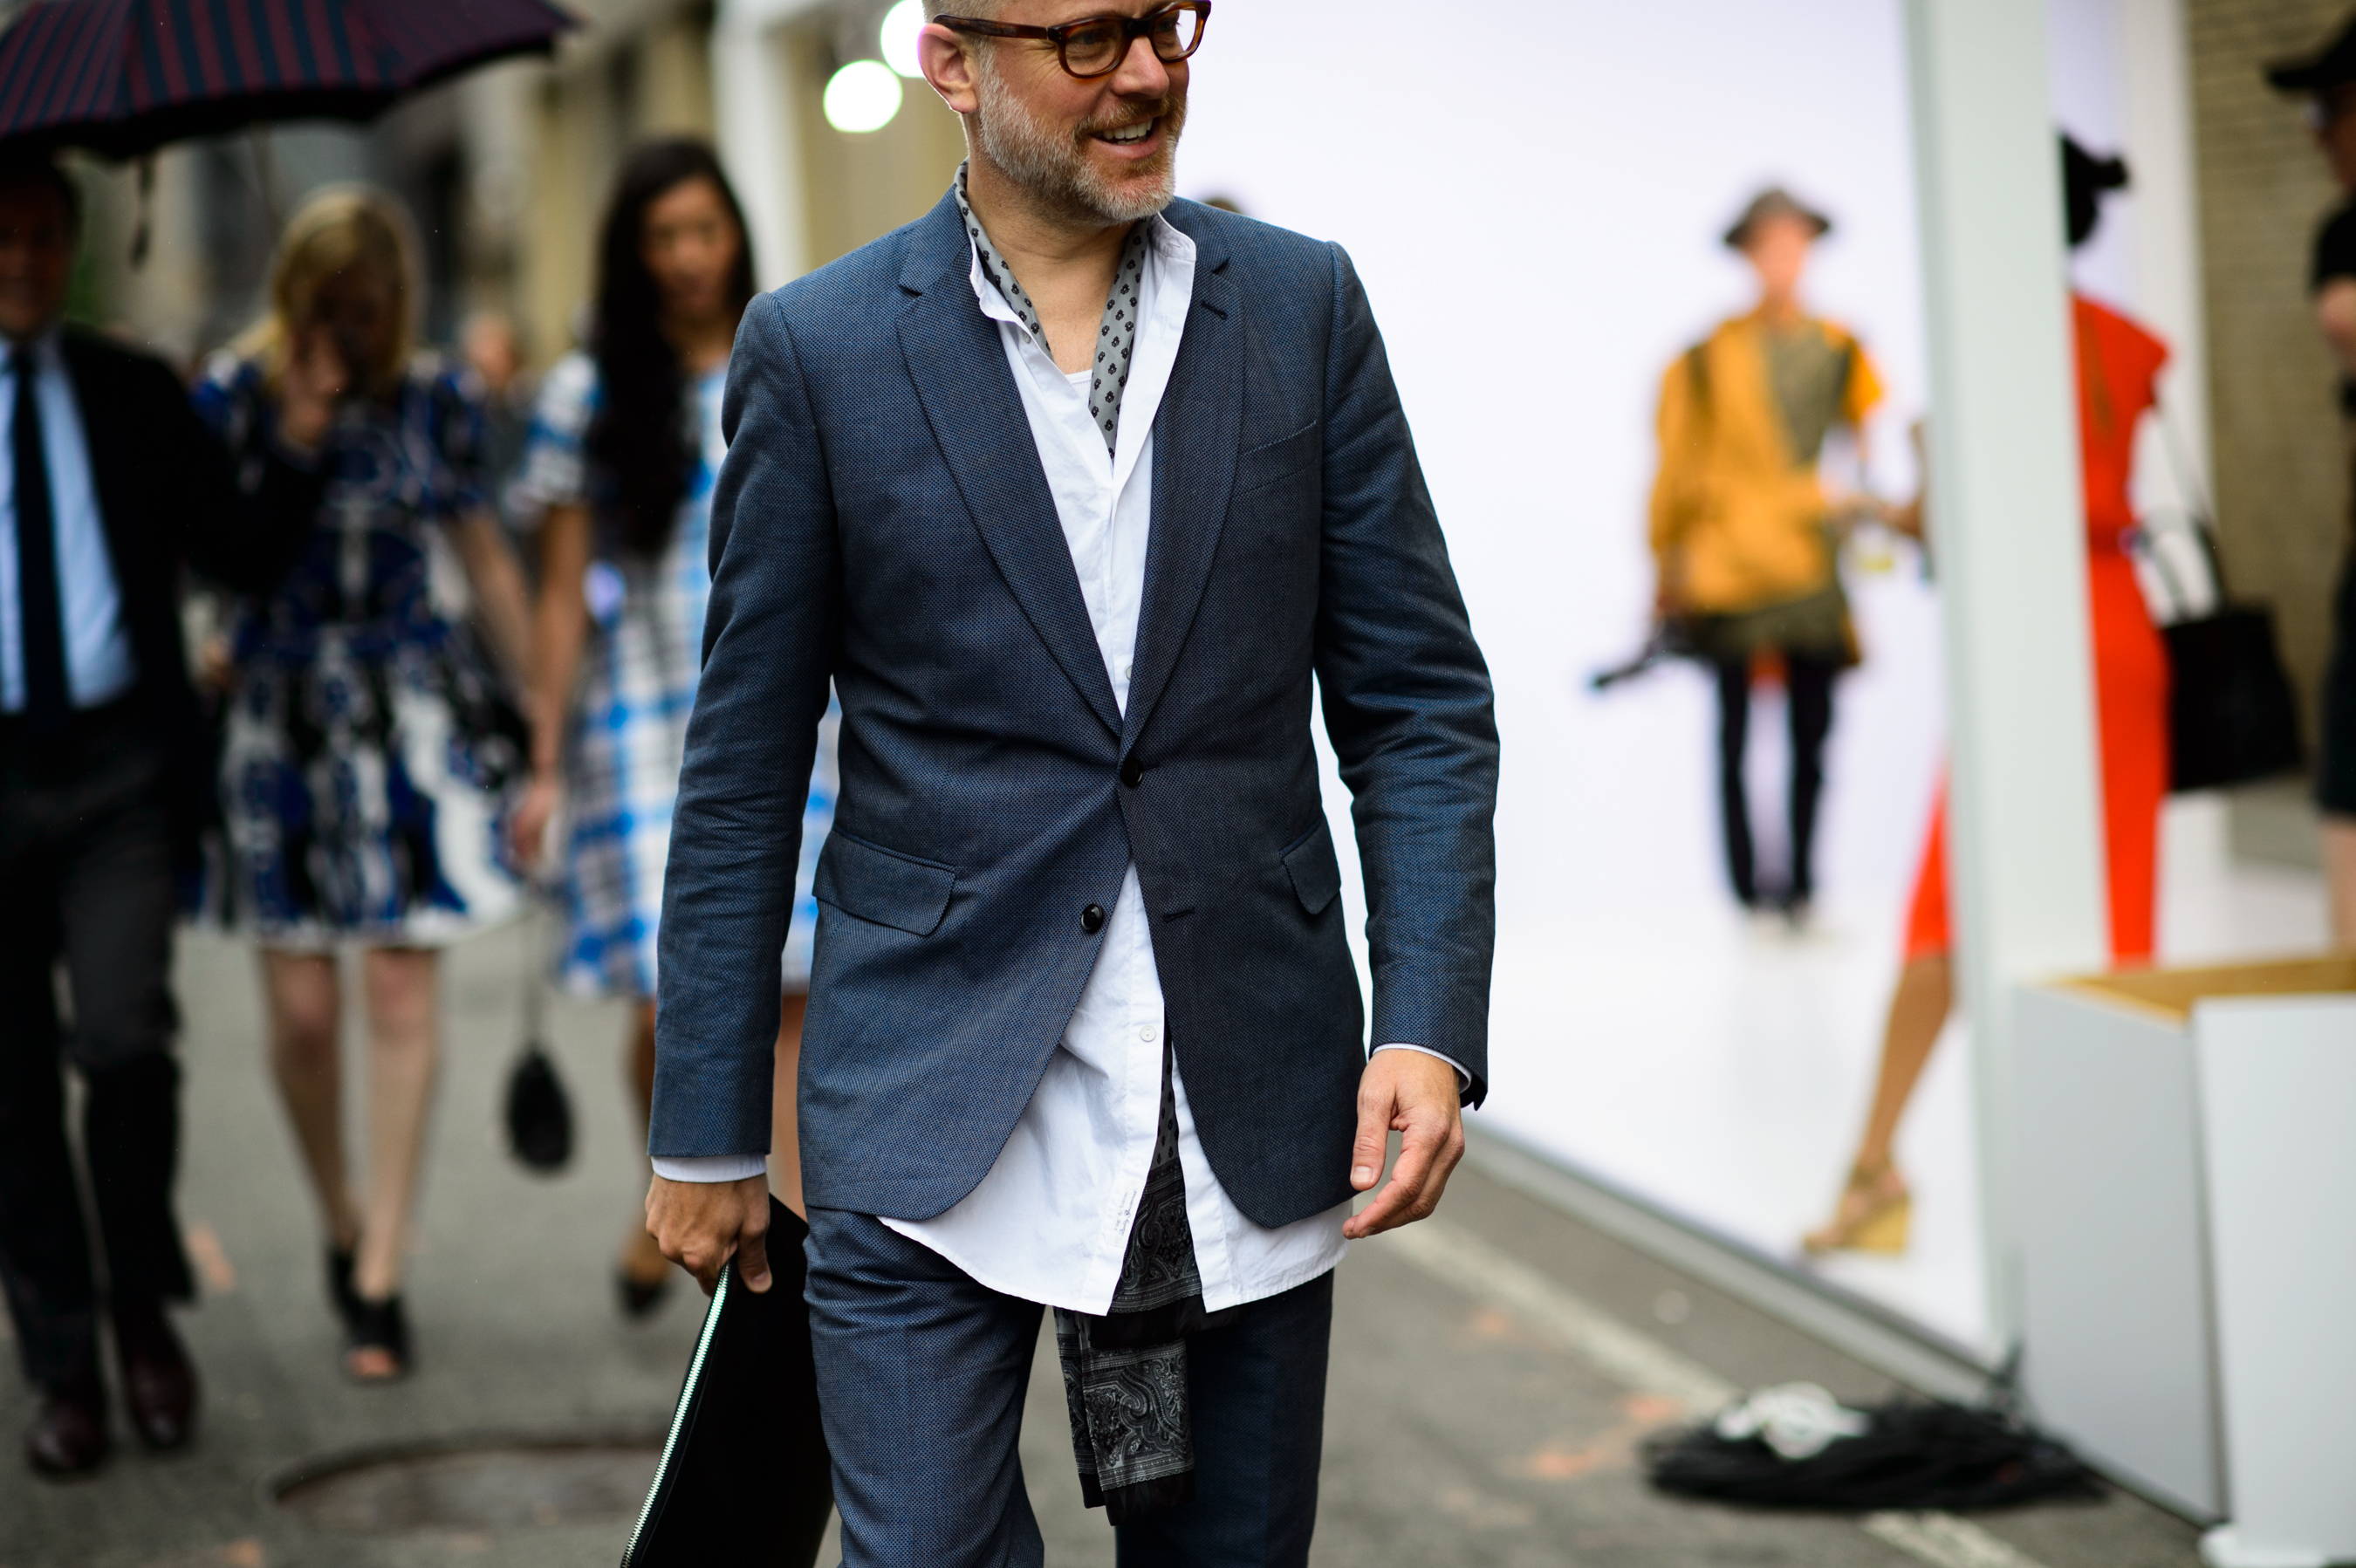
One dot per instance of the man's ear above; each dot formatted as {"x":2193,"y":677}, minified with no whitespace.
{"x":948,"y":69}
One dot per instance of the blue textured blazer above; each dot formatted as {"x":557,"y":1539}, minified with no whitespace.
{"x":882,"y":520}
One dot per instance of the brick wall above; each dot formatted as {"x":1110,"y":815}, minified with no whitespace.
{"x":2282,"y":478}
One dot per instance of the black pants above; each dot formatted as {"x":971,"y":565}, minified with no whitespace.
{"x":85,"y":880}
{"x":1808,"y":681}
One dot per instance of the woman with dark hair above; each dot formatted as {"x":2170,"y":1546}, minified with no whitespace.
{"x":618,"y":472}
{"x":2118,"y":363}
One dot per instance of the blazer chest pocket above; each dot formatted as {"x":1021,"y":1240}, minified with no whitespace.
{"x":1280,"y":459}
{"x":1315,"y":870}
{"x":883,"y":886}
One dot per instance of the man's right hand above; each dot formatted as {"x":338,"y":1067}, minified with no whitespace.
{"x":700,"y":1225}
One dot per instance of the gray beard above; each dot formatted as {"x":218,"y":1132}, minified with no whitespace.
{"x":1053,"y":171}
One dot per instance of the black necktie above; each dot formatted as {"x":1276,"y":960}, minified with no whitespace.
{"x":40,"y":622}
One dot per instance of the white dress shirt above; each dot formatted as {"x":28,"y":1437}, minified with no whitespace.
{"x":1050,"y":1222}
{"x":98,"y":666}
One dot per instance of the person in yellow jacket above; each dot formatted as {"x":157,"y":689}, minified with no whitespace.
{"x":1744,"y":532}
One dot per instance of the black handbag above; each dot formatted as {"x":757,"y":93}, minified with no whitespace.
{"x":537,"y":1112}
{"x":2231,"y":716}
{"x":745,"y":1475}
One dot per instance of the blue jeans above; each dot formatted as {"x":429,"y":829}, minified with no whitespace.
{"x":921,"y":1375}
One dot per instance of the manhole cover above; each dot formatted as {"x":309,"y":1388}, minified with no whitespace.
{"x":487,"y":1486}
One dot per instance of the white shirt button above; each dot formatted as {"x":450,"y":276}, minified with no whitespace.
{"x":1147,"y":1032}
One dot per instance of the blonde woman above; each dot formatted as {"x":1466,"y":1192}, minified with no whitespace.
{"x":365,"y":755}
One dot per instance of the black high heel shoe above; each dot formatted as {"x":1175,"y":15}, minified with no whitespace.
{"x":639,"y":1297}
{"x":379,"y":1325}
{"x":342,"y":1294}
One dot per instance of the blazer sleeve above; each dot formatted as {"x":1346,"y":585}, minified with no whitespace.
{"x":736,"y":835}
{"x":1408,"y":707}
{"x":244,"y":514}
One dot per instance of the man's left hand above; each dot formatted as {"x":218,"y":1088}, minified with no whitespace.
{"x":1419,"y":1096}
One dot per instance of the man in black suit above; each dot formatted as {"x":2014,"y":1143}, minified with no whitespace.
{"x":109,"y":486}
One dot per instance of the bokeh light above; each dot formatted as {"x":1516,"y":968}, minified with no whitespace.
{"x":902,"y":25}
{"x":862,"y":96}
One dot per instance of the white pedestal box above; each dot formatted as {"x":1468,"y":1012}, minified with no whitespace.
{"x":2187,"y":1200}
{"x":2116,"y":1326}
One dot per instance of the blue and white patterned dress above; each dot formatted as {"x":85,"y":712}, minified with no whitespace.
{"x":638,"y":685}
{"x":365,"y":749}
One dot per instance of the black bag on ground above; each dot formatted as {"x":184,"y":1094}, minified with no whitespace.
{"x":745,"y":1477}
{"x":1912,"y":1455}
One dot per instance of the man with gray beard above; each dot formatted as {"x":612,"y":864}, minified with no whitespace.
{"x":1072,"y":490}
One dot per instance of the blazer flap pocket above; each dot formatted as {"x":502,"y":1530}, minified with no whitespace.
{"x":884,"y":886}
{"x":1316,"y":874}
{"x":1280,"y":458}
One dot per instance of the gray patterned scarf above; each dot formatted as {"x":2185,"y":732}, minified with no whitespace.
{"x":1125,"y":1372}
{"x":1116,"y":340}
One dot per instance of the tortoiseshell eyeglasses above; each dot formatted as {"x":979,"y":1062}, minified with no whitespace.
{"x":1095,"y":45}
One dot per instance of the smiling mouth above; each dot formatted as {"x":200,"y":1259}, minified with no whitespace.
{"x":1129,"y":136}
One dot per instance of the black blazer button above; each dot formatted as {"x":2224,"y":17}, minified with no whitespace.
{"x":1132,"y":773}
{"x":1092,"y":918}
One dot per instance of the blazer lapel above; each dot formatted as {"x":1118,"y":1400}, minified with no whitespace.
{"x":1196,"y":436}
{"x":976,"y":413}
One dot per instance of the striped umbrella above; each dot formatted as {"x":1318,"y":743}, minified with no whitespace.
{"x":123,"y":77}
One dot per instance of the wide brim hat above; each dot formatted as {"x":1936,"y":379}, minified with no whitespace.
{"x":1775,"y":202}
{"x":2333,"y":65}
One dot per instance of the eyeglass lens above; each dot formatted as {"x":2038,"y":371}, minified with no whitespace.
{"x":1093,"y":48}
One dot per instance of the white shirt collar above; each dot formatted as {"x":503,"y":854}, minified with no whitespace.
{"x":48,"y":350}
{"x":1169,"y":242}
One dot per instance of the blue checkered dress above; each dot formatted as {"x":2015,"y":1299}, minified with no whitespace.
{"x":638,"y":685}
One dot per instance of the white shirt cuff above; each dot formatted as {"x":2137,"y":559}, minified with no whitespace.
{"x":1463,"y":1078}
{"x":713,"y":1167}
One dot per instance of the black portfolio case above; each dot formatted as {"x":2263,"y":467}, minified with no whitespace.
{"x":744,"y":1479}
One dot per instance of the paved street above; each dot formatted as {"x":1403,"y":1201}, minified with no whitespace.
{"x":1493,"y":1370}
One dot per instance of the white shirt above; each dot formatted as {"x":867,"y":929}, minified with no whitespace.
{"x":98,"y":666}
{"x":1050,"y":1223}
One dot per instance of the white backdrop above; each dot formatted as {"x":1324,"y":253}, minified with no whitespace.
{"x":1534,"y":192}
{"x":1534,"y":199}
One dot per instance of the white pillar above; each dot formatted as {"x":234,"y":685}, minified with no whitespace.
{"x":2010,"y":535}
{"x":2156,"y":74}
{"x":760,"y":132}
{"x":2175,"y":469}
